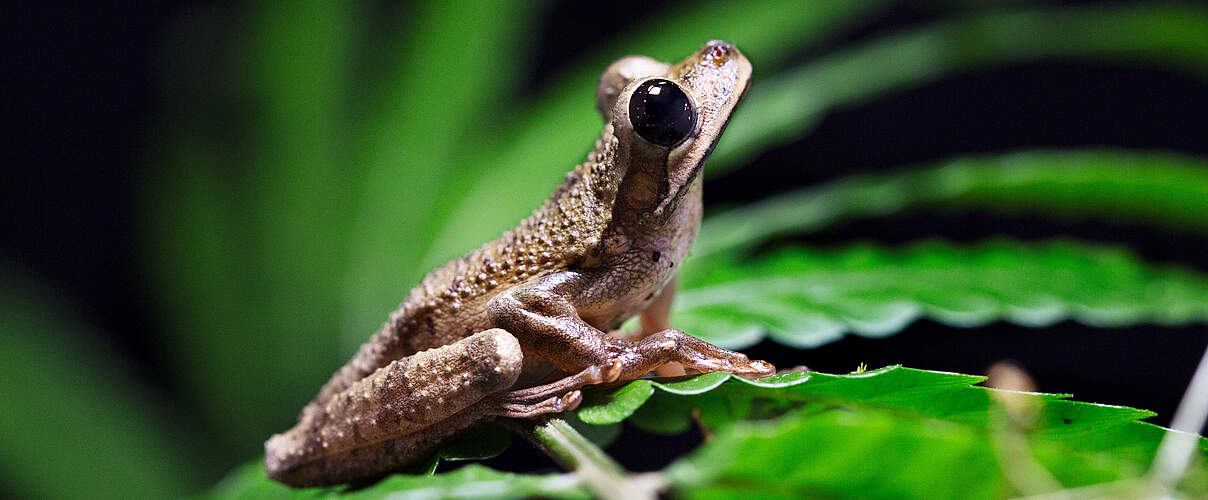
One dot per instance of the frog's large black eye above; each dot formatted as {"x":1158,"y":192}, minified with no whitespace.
{"x":661,"y":112}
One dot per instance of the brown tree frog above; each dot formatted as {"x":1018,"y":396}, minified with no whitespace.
{"x":515,"y":328}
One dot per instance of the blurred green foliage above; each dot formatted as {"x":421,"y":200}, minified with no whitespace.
{"x":75,"y":421}
{"x":309,"y":164}
{"x":806,"y":298}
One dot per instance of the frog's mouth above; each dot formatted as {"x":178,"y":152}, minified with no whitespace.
{"x":720,"y":76}
{"x":664,"y":211}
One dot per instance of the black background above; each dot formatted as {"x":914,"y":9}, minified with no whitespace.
{"x":80,"y":85}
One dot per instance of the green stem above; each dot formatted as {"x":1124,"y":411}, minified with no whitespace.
{"x":599,"y":472}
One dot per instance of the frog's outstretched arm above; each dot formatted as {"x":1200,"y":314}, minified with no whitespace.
{"x":545,"y":316}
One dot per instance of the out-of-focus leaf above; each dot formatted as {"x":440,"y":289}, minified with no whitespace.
{"x":895,"y":432}
{"x":1167,"y":35}
{"x":246,"y":214}
{"x":471,"y":481}
{"x":601,"y":435}
{"x":75,"y":425}
{"x":516,"y":166}
{"x":804,"y":298}
{"x":841,"y":455}
{"x":443,"y":84}
{"x":1162,"y":189}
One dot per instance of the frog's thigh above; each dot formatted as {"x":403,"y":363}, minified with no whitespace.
{"x":397,"y":414}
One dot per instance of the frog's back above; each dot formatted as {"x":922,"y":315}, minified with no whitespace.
{"x":451,"y":301}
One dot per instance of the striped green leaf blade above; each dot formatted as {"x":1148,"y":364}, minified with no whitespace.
{"x":806,"y":297}
{"x":1164,"y":190}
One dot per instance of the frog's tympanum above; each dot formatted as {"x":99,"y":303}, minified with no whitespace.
{"x":514,"y":329}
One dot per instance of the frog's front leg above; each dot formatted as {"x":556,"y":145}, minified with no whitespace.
{"x":545,"y":316}
{"x":403,"y":411}
{"x":656,"y":318}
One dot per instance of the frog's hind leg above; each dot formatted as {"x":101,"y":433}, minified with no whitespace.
{"x":592,"y":375}
{"x":399,"y":413}
{"x":514,"y":408}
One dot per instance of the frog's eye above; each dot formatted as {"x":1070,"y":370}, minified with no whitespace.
{"x":661,"y":113}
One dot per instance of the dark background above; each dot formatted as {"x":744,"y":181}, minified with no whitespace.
{"x":80,"y":85}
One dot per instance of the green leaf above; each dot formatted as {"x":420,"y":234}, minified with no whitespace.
{"x":874,"y":454}
{"x":892,"y":433}
{"x":1162,"y":189}
{"x":786,"y":106}
{"x":804,"y":298}
{"x":603,"y":407}
{"x":471,"y":481}
{"x":76,"y":425}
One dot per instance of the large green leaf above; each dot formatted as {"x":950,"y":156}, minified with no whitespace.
{"x":889,"y":433}
{"x":804,"y":298}
{"x":870,"y":454}
{"x":839,"y":455}
{"x":778,"y":109}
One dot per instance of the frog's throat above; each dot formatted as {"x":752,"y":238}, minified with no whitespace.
{"x":666,"y":209}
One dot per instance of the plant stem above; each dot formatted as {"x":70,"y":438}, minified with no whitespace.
{"x":599,"y":472}
{"x":1179,"y":445}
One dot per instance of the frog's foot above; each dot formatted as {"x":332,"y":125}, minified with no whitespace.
{"x":556,"y":404}
{"x":593,"y":375}
{"x":693,"y":353}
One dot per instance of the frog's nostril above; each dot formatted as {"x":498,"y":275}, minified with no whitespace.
{"x":717,"y":52}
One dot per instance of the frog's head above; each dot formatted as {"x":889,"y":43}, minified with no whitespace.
{"x":667,"y":119}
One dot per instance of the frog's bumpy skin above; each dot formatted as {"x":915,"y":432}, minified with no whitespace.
{"x":436,"y":365}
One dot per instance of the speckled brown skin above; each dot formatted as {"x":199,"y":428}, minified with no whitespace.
{"x":536,"y":302}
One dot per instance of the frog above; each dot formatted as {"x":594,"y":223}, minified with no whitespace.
{"x":517,"y":328}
